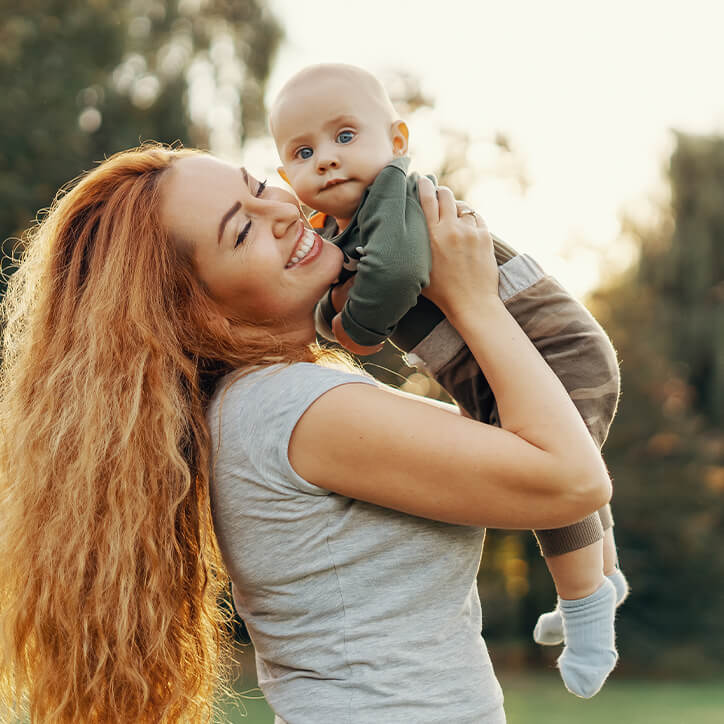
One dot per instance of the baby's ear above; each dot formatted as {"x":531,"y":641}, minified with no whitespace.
{"x":283,"y":173}
{"x":400,"y":136}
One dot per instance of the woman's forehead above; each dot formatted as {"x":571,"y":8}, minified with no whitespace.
{"x":198,"y":192}
{"x":205,"y":180}
{"x":203,"y":167}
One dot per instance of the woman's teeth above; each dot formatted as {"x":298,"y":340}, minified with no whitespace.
{"x":305,"y":244}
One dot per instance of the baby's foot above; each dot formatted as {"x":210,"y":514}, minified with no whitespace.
{"x":621,"y":584}
{"x":590,"y":652}
{"x":549,"y":629}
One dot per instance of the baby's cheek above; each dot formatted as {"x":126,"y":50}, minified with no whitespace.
{"x":306,"y":195}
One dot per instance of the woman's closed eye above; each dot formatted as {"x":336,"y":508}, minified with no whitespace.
{"x":247,"y":227}
{"x":243,"y":234}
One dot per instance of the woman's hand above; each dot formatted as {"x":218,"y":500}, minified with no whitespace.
{"x":463,"y":263}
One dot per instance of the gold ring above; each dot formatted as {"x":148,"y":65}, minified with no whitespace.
{"x":468,"y":211}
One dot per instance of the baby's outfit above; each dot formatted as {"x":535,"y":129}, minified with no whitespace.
{"x":388,"y":248}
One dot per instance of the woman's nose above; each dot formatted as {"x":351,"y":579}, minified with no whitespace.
{"x":277,"y":206}
{"x":285,"y":215}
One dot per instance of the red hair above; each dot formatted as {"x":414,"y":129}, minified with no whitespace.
{"x":110,"y":574}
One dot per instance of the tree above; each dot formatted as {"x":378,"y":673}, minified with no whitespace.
{"x":82,"y":79}
{"x":688,"y":271}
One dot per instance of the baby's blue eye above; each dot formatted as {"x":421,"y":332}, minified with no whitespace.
{"x":345,"y":137}
{"x":305,"y":152}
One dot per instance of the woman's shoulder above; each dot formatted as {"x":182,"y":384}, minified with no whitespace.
{"x":274,"y":386}
{"x":277,"y":376}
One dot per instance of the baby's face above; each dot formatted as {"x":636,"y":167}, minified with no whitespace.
{"x":333,"y":142}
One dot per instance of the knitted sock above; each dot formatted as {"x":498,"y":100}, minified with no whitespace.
{"x":621,"y":584}
{"x":549,"y":629}
{"x":590,"y":652}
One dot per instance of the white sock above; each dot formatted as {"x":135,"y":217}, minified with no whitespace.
{"x":549,"y":629}
{"x":590,"y":652}
{"x":621,"y":584}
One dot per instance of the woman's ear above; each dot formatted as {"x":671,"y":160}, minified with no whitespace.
{"x":283,"y":173}
{"x":400,"y":136}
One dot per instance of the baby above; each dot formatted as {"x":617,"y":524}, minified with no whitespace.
{"x":343,"y":151}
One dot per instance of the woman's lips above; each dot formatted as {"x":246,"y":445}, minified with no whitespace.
{"x":307,"y":249}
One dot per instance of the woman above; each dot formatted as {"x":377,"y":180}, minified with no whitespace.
{"x":167,"y":288}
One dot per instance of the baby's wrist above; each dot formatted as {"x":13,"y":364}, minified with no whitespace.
{"x":348,"y":343}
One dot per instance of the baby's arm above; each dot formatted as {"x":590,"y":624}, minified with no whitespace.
{"x":336,"y":298}
{"x":395,"y":266}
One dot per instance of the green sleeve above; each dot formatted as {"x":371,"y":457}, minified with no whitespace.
{"x":396,"y":263}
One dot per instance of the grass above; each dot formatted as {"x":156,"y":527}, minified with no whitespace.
{"x":541,"y":699}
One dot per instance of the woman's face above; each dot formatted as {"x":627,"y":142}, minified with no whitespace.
{"x":250,"y":245}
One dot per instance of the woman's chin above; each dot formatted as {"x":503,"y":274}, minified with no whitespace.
{"x":335,"y":254}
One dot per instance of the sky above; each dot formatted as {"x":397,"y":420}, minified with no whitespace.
{"x":587,"y":93}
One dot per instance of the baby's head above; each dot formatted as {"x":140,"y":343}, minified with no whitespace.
{"x":335,"y":129}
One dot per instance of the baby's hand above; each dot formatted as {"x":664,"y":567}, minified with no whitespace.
{"x":340,"y":294}
{"x":345,"y":340}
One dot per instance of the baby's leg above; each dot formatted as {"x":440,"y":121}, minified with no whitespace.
{"x":610,"y":556}
{"x":549,"y":629}
{"x":578,"y":573}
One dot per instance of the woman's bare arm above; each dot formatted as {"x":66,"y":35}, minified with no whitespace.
{"x":449,"y":407}
{"x":541,"y":470}
{"x":373,"y":444}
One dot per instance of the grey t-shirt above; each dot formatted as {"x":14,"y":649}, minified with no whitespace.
{"x":358,"y":614}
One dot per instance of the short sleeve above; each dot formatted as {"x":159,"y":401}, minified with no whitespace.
{"x":251,"y":425}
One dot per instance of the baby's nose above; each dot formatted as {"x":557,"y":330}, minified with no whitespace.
{"x":326,"y":162}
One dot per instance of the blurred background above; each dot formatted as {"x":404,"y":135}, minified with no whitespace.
{"x":590,"y":136}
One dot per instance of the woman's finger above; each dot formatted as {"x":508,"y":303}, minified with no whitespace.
{"x":465,"y":212}
{"x":428,"y":201}
{"x":446,"y":200}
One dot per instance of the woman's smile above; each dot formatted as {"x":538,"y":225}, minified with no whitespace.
{"x":306,"y":250}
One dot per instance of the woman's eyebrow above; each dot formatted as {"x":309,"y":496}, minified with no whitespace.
{"x":225,"y":218}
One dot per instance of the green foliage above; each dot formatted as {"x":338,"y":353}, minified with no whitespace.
{"x":83,"y":79}
{"x":689,"y":271}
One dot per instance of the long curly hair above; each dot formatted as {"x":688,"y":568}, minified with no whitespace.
{"x":110,"y":574}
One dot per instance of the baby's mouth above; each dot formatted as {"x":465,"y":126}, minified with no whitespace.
{"x":334,"y":182}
